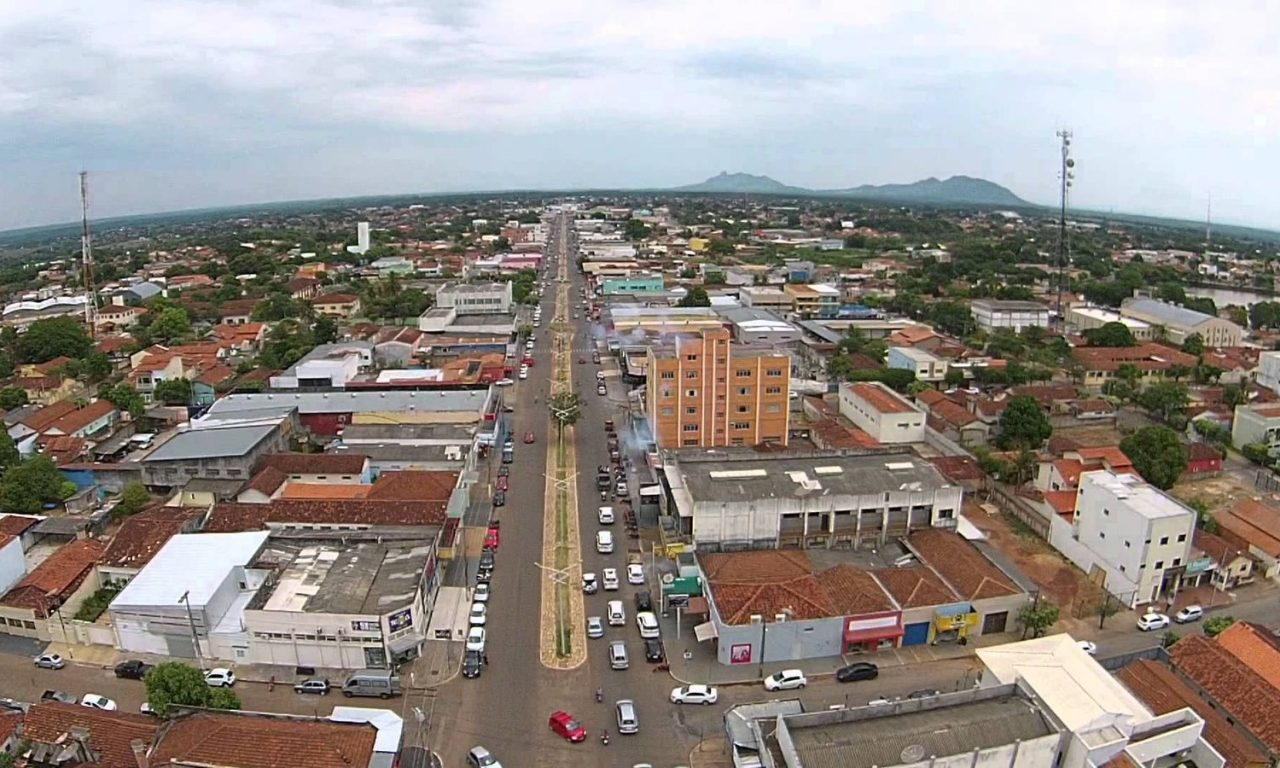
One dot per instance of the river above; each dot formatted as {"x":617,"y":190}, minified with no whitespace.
{"x":1223,"y":297}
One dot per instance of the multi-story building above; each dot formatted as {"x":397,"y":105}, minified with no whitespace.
{"x":1127,"y":533}
{"x":881,"y":412}
{"x":756,"y":326}
{"x":708,"y":391}
{"x":809,"y":301}
{"x":1179,"y":322}
{"x":1257,"y":423}
{"x":1269,"y":371}
{"x":765,"y":297}
{"x":925,"y":365}
{"x":341,"y":305}
{"x":991,"y":314}
{"x":476,"y":299}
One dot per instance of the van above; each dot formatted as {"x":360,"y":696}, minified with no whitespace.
{"x":618,"y":655}
{"x":380,"y":683}
{"x":617,"y":614}
{"x":627,"y":720}
{"x":604,"y":542}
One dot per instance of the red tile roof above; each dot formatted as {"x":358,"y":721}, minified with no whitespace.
{"x":1046,"y":395}
{"x":317,"y":463}
{"x":1063,"y":502}
{"x":335,"y":298}
{"x":1202,"y":452}
{"x":41,"y":419}
{"x":82,"y":417}
{"x":49,"y":366}
{"x":1256,"y":647}
{"x":1144,"y":357}
{"x":853,"y":591}
{"x":414,"y":486}
{"x":9,"y":722}
{"x":1237,"y":689}
{"x":110,"y":733}
{"x":44,"y":588}
{"x":952,"y":413}
{"x":880,"y":398}
{"x":1251,"y":523}
{"x":142,"y":535}
{"x":264,"y":741}
{"x":966,"y":569}
{"x":1110,"y":455}
{"x":1161,"y":690}
{"x":238,"y":307}
{"x":770,"y":582}
{"x":229,"y":518}
{"x":16,"y":525}
{"x":915,"y":587}
{"x":1070,"y":470}
{"x":267,"y":480}
{"x":957,"y":469}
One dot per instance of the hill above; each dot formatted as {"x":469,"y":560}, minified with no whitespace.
{"x":744,"y":183}
{"x":957,"y":190}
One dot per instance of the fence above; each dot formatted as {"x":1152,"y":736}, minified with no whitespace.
{"x":1020,"y":510}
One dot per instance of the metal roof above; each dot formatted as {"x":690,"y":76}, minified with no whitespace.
{"x":472,"y":400}
{"x":1170,"y":314}
{"x":195,"y":564}
{"x":211,"y":443}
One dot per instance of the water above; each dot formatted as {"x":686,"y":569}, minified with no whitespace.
{"x":1226,"y":296}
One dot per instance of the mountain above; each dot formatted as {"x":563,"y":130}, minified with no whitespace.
{"x":957,"y":190}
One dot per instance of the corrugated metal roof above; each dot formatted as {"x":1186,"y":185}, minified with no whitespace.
{"x":211,"y":442}
{"x":1171,"y":314}
{"x":192,"y":563}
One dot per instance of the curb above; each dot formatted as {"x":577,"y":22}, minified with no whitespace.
{"x":808,"y":675}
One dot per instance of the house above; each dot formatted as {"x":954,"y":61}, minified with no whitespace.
{"x":13,"y":566}
{"x":1153,"y":362}
{"x":1236,"y":672}
{"x":96,"y":418}
{"x":237,"y":311}
{"x":338,"y":305}
{"x":1203,"y":460}
{"x":813,"y":301}
{"x":1179,"y":322}
{"x":924,"y":365}
{"x":1255,"y":528}
{"x":1232,"y":565}
{"x":993,"y":314}
{"x":140,"y":537}
{"x":185,"y":282}
{"x":232,"y":739}
{"x":211,"y":382}
{"x":57,"y":585}
{"x":399,"y":345}
{"x":952,"y":420}
{"x":214,"y":449}
{"x":47,"y":390}
{"x":303,"y":288}
{"x":882,"y":413}
{"x":321,"y":467}
{"x":73,"y":736}
{"x":110,"y":319}
{"x":243,"y":338}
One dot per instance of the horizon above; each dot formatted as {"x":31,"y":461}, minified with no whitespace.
{"x":220,"y":104}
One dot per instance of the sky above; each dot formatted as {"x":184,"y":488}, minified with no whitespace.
{"x":177,"y":104}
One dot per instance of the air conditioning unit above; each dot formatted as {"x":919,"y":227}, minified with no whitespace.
{"x":757,"y":618}
{"x":778,"y":618}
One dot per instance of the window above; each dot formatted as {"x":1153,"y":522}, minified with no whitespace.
{"x":773,"y":408}
{"x":1159,"y":563}
{"x":1164,"y":540}
{"x":668,"y":411}
{"x":744,"y":390}
{"x":691,"y":393}
{"x":690,"y":428}
{"x":742,"y":409}
{"x":1177,"y":561}
{"x":773,"y":372}
{"x":1182,"y":537}
{"x":691,"y":410}
{"x":742,"y":425}
{"x":665,"y":392}
{"x":742,"y":373}
{"x":773,"y":390}
{"x":690,"y":442}
{"x":691,"y":358}
{"x":668,"y":374}
{"x":691,"y":374}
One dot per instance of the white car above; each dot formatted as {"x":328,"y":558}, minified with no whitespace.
{"x":647,"y":623}
{"x":481,"y":595}
{"x":94,"y":701}
{"x":786,"y":680}
{"x":524,"y":373}
{"x":694,"y":694}
{"x":478,"y":615}
{"x":606,"y":516}
{"x":1088,"y":647}
{"x":504,"y":382}
{"x":1189,"y":614}
{"x":595,"y":627}
{"x":479,"y":757}
{"x":610,"y":579}
{"x":475,"y":639}
{"x":220,"y":677}
{"x":635,"y":573}
{"x":1152,"y":621}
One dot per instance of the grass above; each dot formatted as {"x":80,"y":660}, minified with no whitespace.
{"x":564,"y":640}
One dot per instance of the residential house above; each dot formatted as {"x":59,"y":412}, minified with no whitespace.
{"x":882,"y":413}
{"x":211,"y":382}
{"x":242,"y":338}
{"x":96,"y":418}
{"x":1255,"y":528}
{"x":110,"y":319}
{"x":58,"y":735}
{"x":37,"y":422}
{"x":397,"y":346}
{"x":303,"y":288}
{"x":343,"y":306}
{"x":46,"y":390}
{"x":237,"y":311}
{"x":952,"y":420}
{"x":187,"y":282}
{"x":1233,"y":565}
{"x":926,"y":366}
{"x":1203,"y":460}
{"x":57,"y":585}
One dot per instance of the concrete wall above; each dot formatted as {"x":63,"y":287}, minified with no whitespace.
{"x":298,"y":639}
{"x":783,"y":641}
{"x":1062,"y":538}
{"x":13,"y":566}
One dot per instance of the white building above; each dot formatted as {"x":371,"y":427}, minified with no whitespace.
{"x":13,"y":565}
{"x":926,"y":366}
{"x":1257,"y":423}
{"x":1129,"y":532}
{"x":328,"y":366}
{"x":196,"y":587}
{"x":1269,"y":371}
{"x":362,"y":239}
{"x":991,"y":314}
{"x":881,"y":412}
{"x":1179,"y":322}
{"x":475,"y":299}
{"x":1088,"y":318}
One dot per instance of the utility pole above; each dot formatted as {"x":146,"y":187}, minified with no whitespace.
{"x":1065,"y":177}
{"x":195,"y":638}
{"x":86,"y":256}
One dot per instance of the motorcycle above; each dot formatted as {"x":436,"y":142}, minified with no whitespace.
{"x":604,"y":738}
{"x":599,"y":695}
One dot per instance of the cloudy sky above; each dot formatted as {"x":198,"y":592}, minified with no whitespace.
{"x":190,"y":103}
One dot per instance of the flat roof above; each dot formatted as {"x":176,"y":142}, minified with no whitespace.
{"x":326,"y":576}
{"x":1011,"y":305}
{"x":442,"y":400}
{"x":1110,"y":316}
{"x":211,"y":442}
{"x":719,"y":475}
{"x":1141,"y":497}
{"x":881,"y":398}
{"x":919,"y":355}
{"x":195,"y":564}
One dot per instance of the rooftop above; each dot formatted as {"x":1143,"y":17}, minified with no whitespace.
{"x":916,"y":354}
{"x":881,"y":398}
{"x":194,"y":564}
{"x":1168,"y":314}
{"x":142,"y":535}
{"x":436,"y":401}
{"x":409,"y":485}
{"x":1108,"y":316}
{"x":771,"y":582}
{"x":316,"y":463}
{"x":1137,"y":494}
{"x":110,"y":733}
{"x":211,"y":442}
{"x":961,"y":565}
{"x":244,"y":740}
{"x":915,"y":586}
{"x":1010,"y":305}
{"x":1236,"y":688}
{"x":355,"y":513}
{"x":718,"y":476}
{"x":366,"y":578}
{"x":53,"y":580}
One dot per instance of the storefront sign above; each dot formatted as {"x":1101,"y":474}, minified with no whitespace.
{"x":740,"y":654}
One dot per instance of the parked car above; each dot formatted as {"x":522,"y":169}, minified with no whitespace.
{"x":606,"y":516}
{"x":472,"y":664}
{"x":481,"y":593}
{"x":862,"y":670}
{"x":529,"y":437}
{"x":694,"y":694}
{"x":589,"y":584}
{"x":610,"y":579}
{"x":132,"y":669}
{"x":487,"y":560}
{"x":479,"y":757}
{"x":50,"y":661}
{"x":1088,"y":647}
{"x":566,"y":727}
{"x":1152,"y":621}
{"x":475,"y":639}
{"x":479,"y":615}
{"x":595,"y":627}
{"x":647,"y":623}
{"x":643,"y":600}
{"x":492,"y":537}
{"x":653,"y":652}
{"x":61,"y":696}
{"x":220,"y":677}
{"x":94,"y":701}
{"x":635,"y":573}
{"x":503,"y":483}
{"x":504,"y":470}
{"x":317,"y":685}
{"x":1189,"y":614}
{"x":500,"y":499}
{"x":786,"y":680}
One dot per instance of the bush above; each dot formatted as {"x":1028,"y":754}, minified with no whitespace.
{"x":96,"y":604}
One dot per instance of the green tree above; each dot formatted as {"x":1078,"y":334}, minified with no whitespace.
{"x":1264,"y":314}
{"x":954,"y":377}
{"x":1023,"y":425}
{"x":696,"y":297}
{"x":1157,"y":454}
{"x":133,"y":499}
{"x":1257,"y":453}
{"x":277,"y":305}
{"x":95,"y":366}
{"x":173,"y":391}
{"x":1037,"y":618}
{"x":840,"y":367}
{"x":1110,"y":335}
{"x":1216,"y":625}
{"x":171,"y":325}
{"x":324,"y":330}
{"x":566,"y":408}
{"x":1164,"y":399}
{"x":173,"y":683}
{"x":26,"y":487}
{"x":12,"y":397}
{"x":54,"y":337}
{"x":1193,"y":345}
{"x":124,"y":397}
{"x":9,"y":455}
{"x":951,"y":317}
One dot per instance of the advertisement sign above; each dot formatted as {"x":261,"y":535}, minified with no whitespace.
{"x":740,"y":654}
{"x":400,"y":620}
{"x":364,"y":626}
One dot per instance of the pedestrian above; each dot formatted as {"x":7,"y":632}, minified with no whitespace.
{"x":485,"y":659}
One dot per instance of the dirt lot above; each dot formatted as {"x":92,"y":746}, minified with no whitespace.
{"x":1059,"y":580}
{"x":1091,"y":435}
{"x":1217,"y":492}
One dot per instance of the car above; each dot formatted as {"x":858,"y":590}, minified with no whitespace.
{"x":653,"y":652}
{"x":1189,"y":614}
{"x":647,"y":623}
{"x":479,"y":615}
{"x":146,"y":709}
{"x":59,"y":696}
{"x":600,"y":390}
{"x":50,"y":661}
{"x":567,"y":727}
{"x":487,"y":560}
{"x":220,"y":677}
{"x":1152,"y":621}
{"x":94,"y":701}
{"x":862,"y":670}
{"x":317,"y":685}
{"x":644,"y":601}
{"x":606,"y":516}
{"x":500,"y":499}
{"x":481,"y":593}
{"x":503,"y":483}
{"x":528,"y":438}
{"x":635,"y":573}
{"x":616,"y":613}
{"x":610,"y":579}
{"x":492,"y":537}
{"x":694,"y":694}
{"x":475,"y":639}
{"x":472,"y":664}
{"x":1088,"y":647}
{"x":621,"y":488}
{"x":608,"y":425}
{"x":479,"y":757}
{"x":628,"y":721}
{"x":504,"y":382}
{"x":132,"y":669}
{"x":589,"y":584}
{"x":595,"y":627}
{"x":524,"y":373}
{"x":786,"y":680}
{"x":504,"y":470}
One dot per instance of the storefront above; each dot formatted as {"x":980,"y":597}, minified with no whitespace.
{"x":953,"y":623}
{"x":871,"y":632}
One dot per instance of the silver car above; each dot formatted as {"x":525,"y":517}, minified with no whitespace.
{"x":595,"y":627}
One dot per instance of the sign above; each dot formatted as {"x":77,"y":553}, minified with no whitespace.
{"x":740,"y":654}
{"x":364,"y":626}
{"x":400,"y":620}
{"x":677,"y":601}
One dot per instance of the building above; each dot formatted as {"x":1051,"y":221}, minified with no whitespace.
{"x":195,"y":589}
{"x":215,"y":450}
{"x":1130,"y":536}
{"x":1269,"y":371}
{"x":726,"y":500}
{"x":55,"y":587}
{"x":58,"y":735}
{"x":1179,"y":322}
{"x":338,"y":305}
{"x":709,"y":391}
{"x":881,"y":413}
{"x":328,"y":366}
{"x":362,"y":239}
{"x":810,"y":301}
{"x":328,"y":413}
{"x":13,"y":566}
{"x":1257,"y":423}
{"x":757,"y":326}
{"x":765,"y":297}
{"x":993,"y":314}
{"x":1098,"y":365}
{"x":140,"y":537}
{"x":1085,"y":318}
{"x":925,"y":365}
{"x":634,"y":285}
{"x":1254,"y":529}
{"x":93,"y":419}
{"x":476,"y":298}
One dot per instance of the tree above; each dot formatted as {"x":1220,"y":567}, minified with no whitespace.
{"x":324,"y":330}
{"x":277,"y":305}
{"x":1164,"y":398}
{"x":172,"y":324}
{"x":1216,"y":625}
{"x":954,"y":377}
{"x":1193,"y":345}
{"x":1257,"y":453}
{"x":12,"y":397}
{"x":9,"y":455}
{"x":565,"y":407}
{"x":173,"y":391}
{"x":1157,"y":454}
{"x":1264,"y":314}
{"x":54,"y":337}
{"x":840,"y":367}
{"x":1023,"y":425}
{"x":95,"y":366}
{"x":696,"y":297}
{"x":1038,"y":617}
{"x":173,"y":683}
{"x":1110,"y":335}
{"x":26,"y":487}
{"x":952,"y":317}
{"x":124,"y":397}
{"x":133,"y":498}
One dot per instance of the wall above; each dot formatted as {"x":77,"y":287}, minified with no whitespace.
{"x":345,"y":651}
{"x":1062,"y":538}
{"x":13,"y":566}
{"x":783,"y":641}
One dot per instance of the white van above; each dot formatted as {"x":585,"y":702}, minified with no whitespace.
{"x":604,"y":542}
{"x":617,"y":614}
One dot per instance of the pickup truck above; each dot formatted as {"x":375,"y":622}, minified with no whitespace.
{"x":61,"y":696}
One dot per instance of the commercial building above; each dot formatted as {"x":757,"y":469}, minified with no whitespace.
{"x":328,"y":366}
{"x":925,"y":365}
{"x":994,"y":314}
{"x":1084,"y":318}
{"x":728,"y":500}
{"x":327,"y":413}
{"x":882,"y":413}
{"x":633,"y":285}
{"x":765,"y":297}
{"x":1269,"y":371}
{"x":757,"y":326}
{"x":811,"y":301}
{"x":626,"y":320}
{"x":1152,"y":361}
{"x":1179,"y":322}
{"x":215,"y":449}
{"x":476,"y":298}
{"x":1131,"y":537}
{"x":708,"y":391}
{"x":1258,"y":423}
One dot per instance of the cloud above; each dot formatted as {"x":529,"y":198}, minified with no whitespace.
{"x":197,"y":102}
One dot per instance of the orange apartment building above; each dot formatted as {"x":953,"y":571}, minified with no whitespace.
{"x":706,"y":391}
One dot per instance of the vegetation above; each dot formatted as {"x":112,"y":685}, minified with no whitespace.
{"x":27,"y":486}
{"x":173,"y":683}
{"x":1216,"y":625}
{"x":1037,"y":618}
{"x":1157,"y":454}
{"x":1110,"y":335}
{"x":12,"y":397}
{"x":173,"y":391}
{"x":96,"y":604}
{"x":133,"y":499}
{"x":54,"y":337}
{"x":696,"y":297}
{"x":1023,"y":425}
{"x":388,"y":299}
{"x":124,"y":397}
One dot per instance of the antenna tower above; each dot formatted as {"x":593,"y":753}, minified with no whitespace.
{"x":1066,"y":175}
{"x":86,"y":256}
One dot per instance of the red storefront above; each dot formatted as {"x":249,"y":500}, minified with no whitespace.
{"x":870,"y":632}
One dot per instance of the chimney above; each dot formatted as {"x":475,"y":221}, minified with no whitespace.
{"x":139,"y":748}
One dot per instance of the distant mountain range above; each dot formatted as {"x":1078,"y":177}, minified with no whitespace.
{"x":957,"y":190}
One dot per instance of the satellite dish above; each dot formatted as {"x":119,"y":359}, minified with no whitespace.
{"x":913,"y":753}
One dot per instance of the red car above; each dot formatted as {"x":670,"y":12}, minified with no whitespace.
{"x":564,"y":725}
{"x":492,"y":537}
{"x":528,"y":437}
{"x":503,"y":482}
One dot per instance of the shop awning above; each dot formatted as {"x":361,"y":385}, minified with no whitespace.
{"x":705,"y":631}
{"x":872,"y":633}
{"x":405,"y":642}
